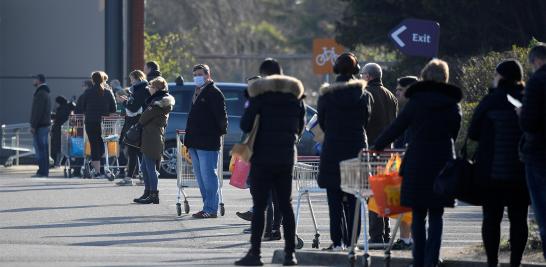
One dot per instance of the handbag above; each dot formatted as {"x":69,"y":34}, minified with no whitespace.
{"x":457,"y":179}
{"x":133,"y":137}
{"x":245,"y":149}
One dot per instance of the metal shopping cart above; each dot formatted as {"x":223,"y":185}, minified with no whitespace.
{"x":17,"y":137}
{"x":355,"y":175}
{"x":73,"y":140}
{"x":110,"y":132}
{"x":306,"y":172}
{"x":185,"y":177}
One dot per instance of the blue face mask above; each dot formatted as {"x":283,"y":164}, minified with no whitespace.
{"x":199,"y":80}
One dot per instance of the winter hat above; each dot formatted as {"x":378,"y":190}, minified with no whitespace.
{"x":510,"y":70}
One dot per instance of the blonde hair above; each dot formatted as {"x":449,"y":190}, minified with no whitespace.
{"x":436,"y":70}
{"x":160,"y":84}
{"x":138,"y":75}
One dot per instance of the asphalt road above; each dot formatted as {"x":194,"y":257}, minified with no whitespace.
{"x":76,"y":222}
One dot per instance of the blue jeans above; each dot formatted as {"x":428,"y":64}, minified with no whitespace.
{"x":426,"y":249}
{"x":41,"y":148}
{"x":205,"y":168}
{"x":536,"y":182}
{"x":149,"y":173}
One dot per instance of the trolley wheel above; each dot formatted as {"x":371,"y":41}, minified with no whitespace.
{"x":222,"y":209}
{"x":178,"y":209}
{"x":111,"y":177}
{"x":299,"y":243}
{"x":316,"y":241}
{"x":70,"y":173}
{"x":367,"y":260}
{"x":186,"y":207}
{"x":86,"y":173}
{"x":352,"y":258}
{"x":65,"y":173}
{"x":388,"y":260}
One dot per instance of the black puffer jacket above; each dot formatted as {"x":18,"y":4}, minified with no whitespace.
{"x":207,"y":120}
{"x":533,"y":118}
{"x":495,"y":126}
{"x":278,"y":101}
{"x":94,"y":105}
{"x":62,"y":112}
{"x":432,"y":117}
{"x":135,"y":105}
{"x":344,"y":108}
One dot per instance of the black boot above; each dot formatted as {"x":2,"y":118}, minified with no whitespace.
{"x":145,"y":195}
{"x":250,"y":259}
{"x":152,"y":198}
{"x":290,"y":259}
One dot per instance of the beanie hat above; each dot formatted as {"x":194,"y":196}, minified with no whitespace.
{"x":510,"y":70}
{"x":346,"y":63}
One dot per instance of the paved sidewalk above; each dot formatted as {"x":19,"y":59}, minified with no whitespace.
{"x":76,"y":222}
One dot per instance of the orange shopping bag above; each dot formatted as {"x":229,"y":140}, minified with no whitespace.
{"x":386,"y":189}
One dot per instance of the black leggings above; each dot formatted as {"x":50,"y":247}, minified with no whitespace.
{"x":134,"y":156}
{"x":273,"y":216}
{"x":263,"y":179}
{"x":491,"y":231}
{"x":341,"y":208}
{"x":95,"y":140}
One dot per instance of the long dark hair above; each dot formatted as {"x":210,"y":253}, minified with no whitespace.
{"x":99,"y":78}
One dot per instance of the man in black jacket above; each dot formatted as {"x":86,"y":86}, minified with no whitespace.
{"x":278,"y":100}
{"x":207,"y":123}
{"x":532,"y":121}
{"x":40,"y":120}
{"x":384,"y":110}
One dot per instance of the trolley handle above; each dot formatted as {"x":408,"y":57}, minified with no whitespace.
{"x":384,"y":151}
{"x":180,"y":131}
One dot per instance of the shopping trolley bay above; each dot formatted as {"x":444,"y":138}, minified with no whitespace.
{"x":67,"y":221}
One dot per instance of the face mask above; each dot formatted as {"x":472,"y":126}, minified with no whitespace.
{"x":199,"y":80}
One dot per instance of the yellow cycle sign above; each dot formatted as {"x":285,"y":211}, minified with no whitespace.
{"x":325,"y":53}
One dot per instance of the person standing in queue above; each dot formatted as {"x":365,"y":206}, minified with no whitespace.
{"x":151,"y":69}
{"x":154,"y":121}
{"x":344,"y":109}
{"x":499,"y":171}
{"x":96,"y":102}
{"x":207,"y":123}
{"x":63,"y":110}
{"x":432,"y":117}
{"x":40,"y":121}
{"x":278,"y":100}
{"x":135,"y":105}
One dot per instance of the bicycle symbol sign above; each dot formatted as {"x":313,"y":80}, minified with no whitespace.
{"x":328,"y":55}
{"x":325,"y":53}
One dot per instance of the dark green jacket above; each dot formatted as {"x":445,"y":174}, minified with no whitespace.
{"x":154,"y":120}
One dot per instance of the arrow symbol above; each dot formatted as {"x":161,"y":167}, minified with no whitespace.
{"x":396,"y":33}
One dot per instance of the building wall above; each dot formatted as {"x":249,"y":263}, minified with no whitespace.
{"x":63,"y":39}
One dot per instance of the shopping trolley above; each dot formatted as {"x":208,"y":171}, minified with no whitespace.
{"x":306,"y":172}
{"x":110,"y":132}
{"x":73,"y":140}
{"x":17,"y":137}
{"x":355,"y":174}
{"x":185,"y":177}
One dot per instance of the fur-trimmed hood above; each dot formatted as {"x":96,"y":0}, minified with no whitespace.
{"x":443,"y":91}
{"x":161,"y":99}
{"x":329,"y":88}
{"x":276,"y":84}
